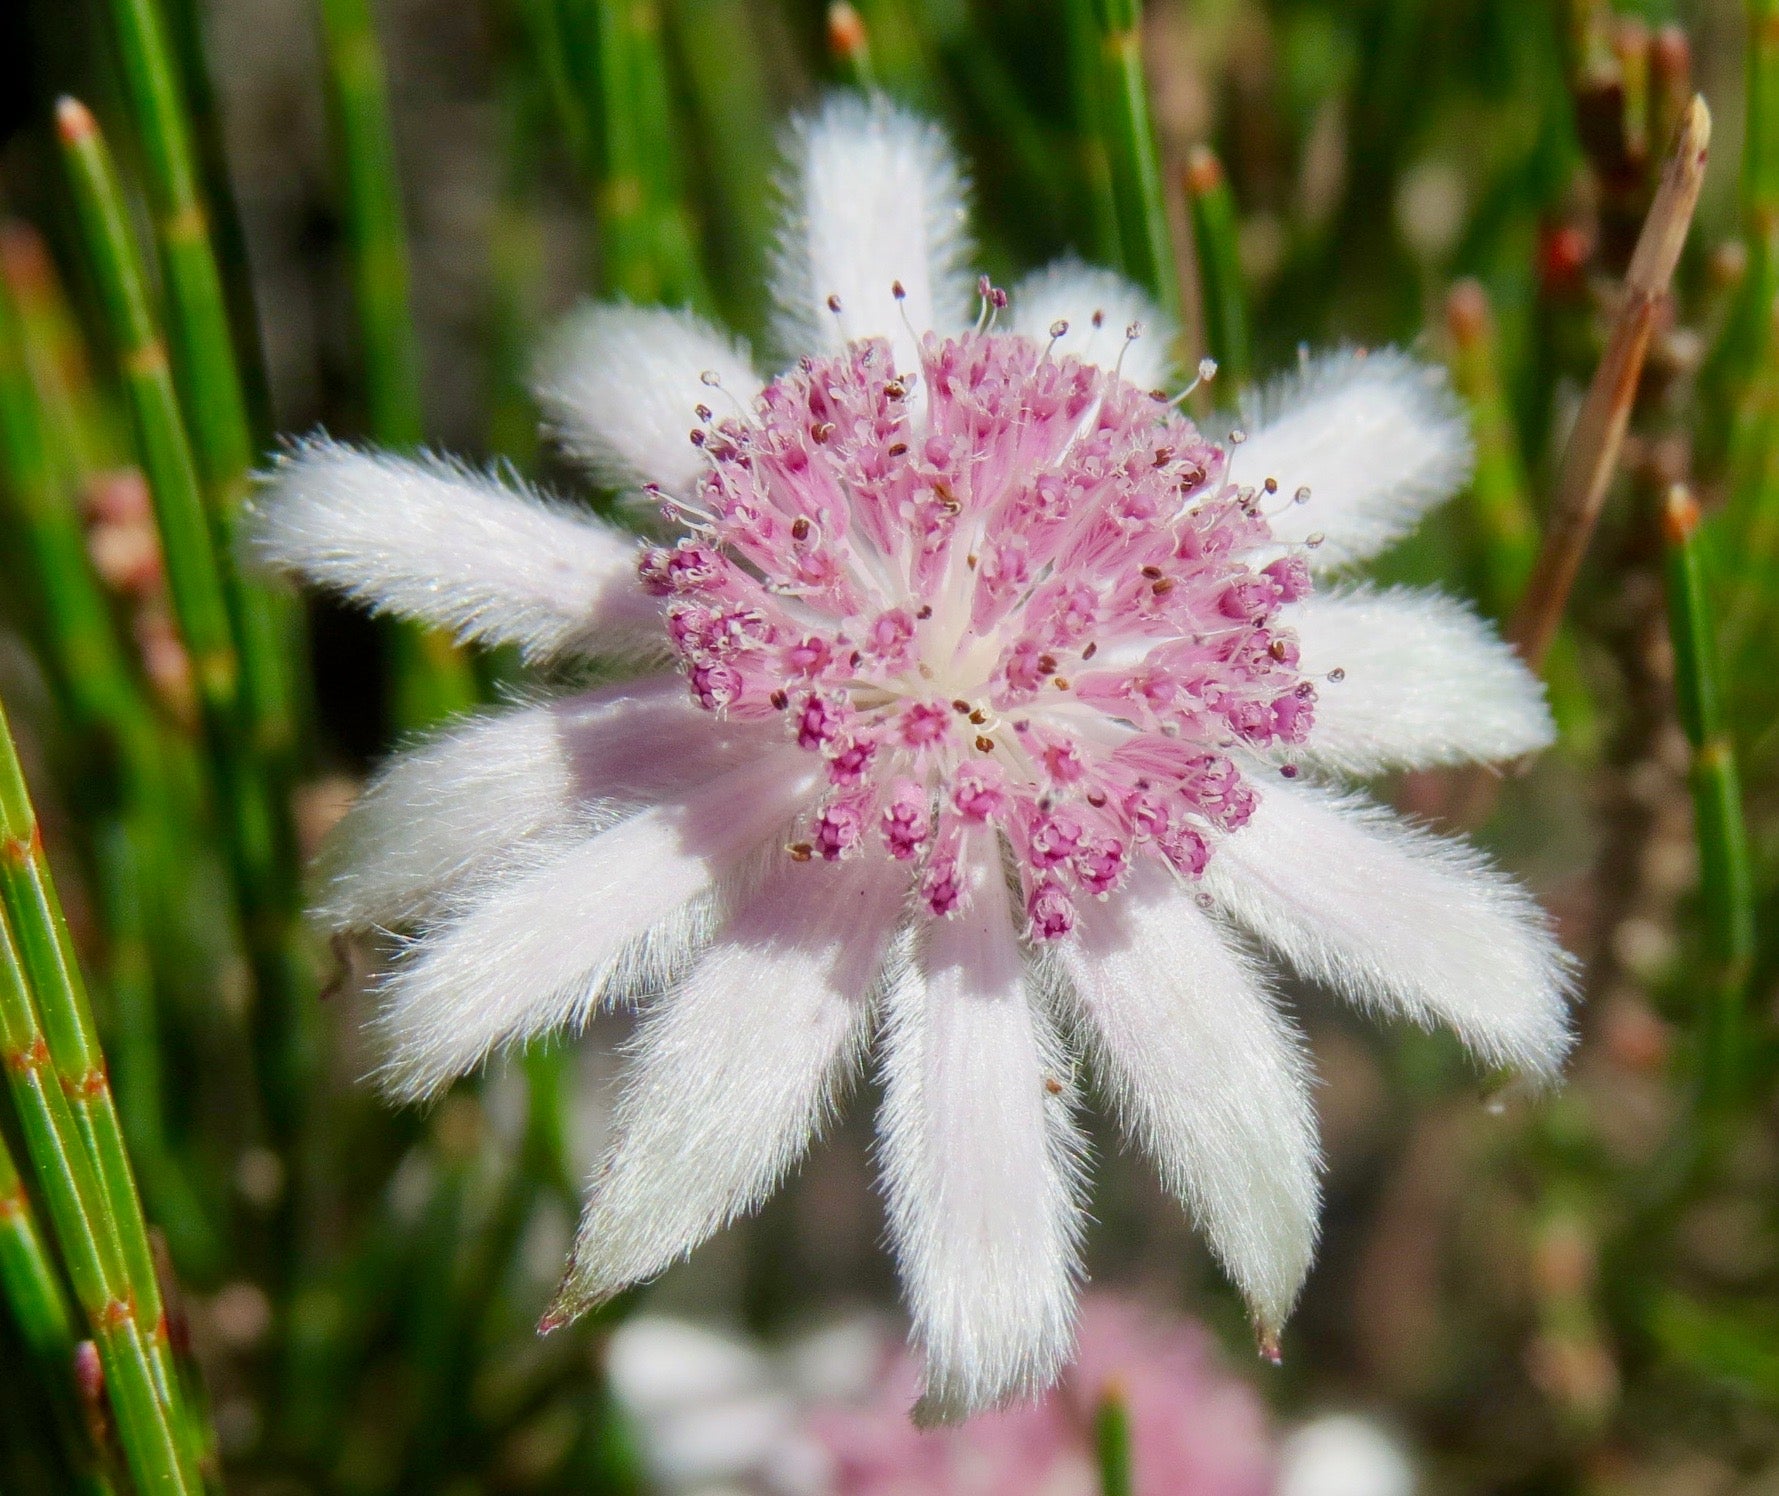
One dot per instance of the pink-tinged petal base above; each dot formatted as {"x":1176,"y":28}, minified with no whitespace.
{"x":979,"y":1160}
{"x":1208,"y":1076}
{"x":536,"y":948}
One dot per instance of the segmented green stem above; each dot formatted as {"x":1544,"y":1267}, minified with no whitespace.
{"x":203,"y":357}
{"x":128,"y":786}
{"x":95,"y":1213}
{"x":1111,"y":1443}
{"x":1219,"y":267}
{"x":432,"y":678}
{"x":1137,"y":192}
{"x":1726,"y":884}
{"x":255,"y":822}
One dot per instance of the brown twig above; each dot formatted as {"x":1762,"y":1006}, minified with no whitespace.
{"x":1592,"y":453}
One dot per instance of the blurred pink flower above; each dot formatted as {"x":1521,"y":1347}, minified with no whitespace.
{"x":1196,"y":1430}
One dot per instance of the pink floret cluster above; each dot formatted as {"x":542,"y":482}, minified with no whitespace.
{"x":1008,"y":591}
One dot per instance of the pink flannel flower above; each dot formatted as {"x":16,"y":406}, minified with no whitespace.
{"x":1002,"y":720}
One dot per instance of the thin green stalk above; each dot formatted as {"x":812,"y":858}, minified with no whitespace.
{"x":1219,"y":267}
{"x":1748,"y":348}
{"x":1111,"y":1442}
{"x":849,"y":46}
{"x":432,"y":678}
{"x":128,"y":1331}
{"x":1137,"y":190}
{"x":203,"y":358}
{"x":33,"y":1293}
{"x":128,"y":789}
{"x":1090,"y":134}
{"x":637,"y":32}
{"x":34,"y":913}
{"x":1726,"y":886}
{"x":255,"y":823}
{"x":617,"y":58}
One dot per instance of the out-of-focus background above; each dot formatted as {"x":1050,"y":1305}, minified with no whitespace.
{"x":1515,"y":1293}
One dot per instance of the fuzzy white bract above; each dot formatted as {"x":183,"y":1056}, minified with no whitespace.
{"x":1000,"y":722}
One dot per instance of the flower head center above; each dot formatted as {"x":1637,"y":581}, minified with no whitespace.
{"x":1007,"y":592}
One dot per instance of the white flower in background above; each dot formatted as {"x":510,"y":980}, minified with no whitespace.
{"x":1342,"y":1454}
{"x":1001,"y":722}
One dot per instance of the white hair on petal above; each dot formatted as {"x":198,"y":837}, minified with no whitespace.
{"x":980,"y":1160}
{"x":874,"y":196}
{"x":428,"y":538}
{"x":1400,"y":921}
{"x":737,"y":1069}
{"x":620,"y":387}
{"x":459,"y":804}
{"x":1418,"y":680}
{"x":538,"y":945}
{"x":1377,"y":438}
{"x":1100,"y":307}
{"x":1207,"y":1075}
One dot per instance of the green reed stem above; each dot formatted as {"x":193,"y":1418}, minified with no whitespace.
{"x":372,"y":200}
{"x":1111,"y":1443}
{"x":256,"y":828}
{"x":1219,"y":267}
{"x":32,"y":1290}
{"x":1137,"y":191}
{"x":96,"y":1217}
{"x":205,"y":374}
{"x":1090,"y":136}
{"x":432,"y":678}
{"x":849,"y":46}
{"x":1726,"y":885}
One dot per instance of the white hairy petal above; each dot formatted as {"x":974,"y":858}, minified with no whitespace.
{"x":736,"y":1071}
{"x":1423,"y":681}
{"x":1400,"y":921}
{"x":430,"y":539}
{"x":1207,"y":1075}
{"x":874,"y":195}
{"x":535,"y":948}
{"x":979,"y":1159}
{"x":482,"y":790}
{"x":620,"y":388}
{"x":1378,"y":439}
{"x":1100,"y":307}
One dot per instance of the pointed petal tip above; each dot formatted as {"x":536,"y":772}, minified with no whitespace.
{"x":1266,"y":1341}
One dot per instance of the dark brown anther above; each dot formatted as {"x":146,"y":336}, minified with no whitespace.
{"x":800,"y":528}
{"x":697,"y":438}
{"x":1152,"y":572}
{"x":820,"y":432}
{"x":896,"y":390}
{"x":1096,"y":799}
{"x":898,"y":290}
{"x":1163,"y":587}
{"x":985,"y":745}
{"x":1061,"y":682}
{"x":780,"y":699}
{"x":1092,"y":649}
{"x":1271,"y":485}
{"x":834,"y":303}
{"x":926,"y":612}
{"x":1163,"y":456}
{"x":961,"y":707}
{"x":1052,"y":1085}
{"x":970,"y":561}
{"x":900,"y":449}
{"x":1046,"y":664}
{"x":1277,"y":650}
{"x":978,"y":717}
{"x":800,"y":851}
